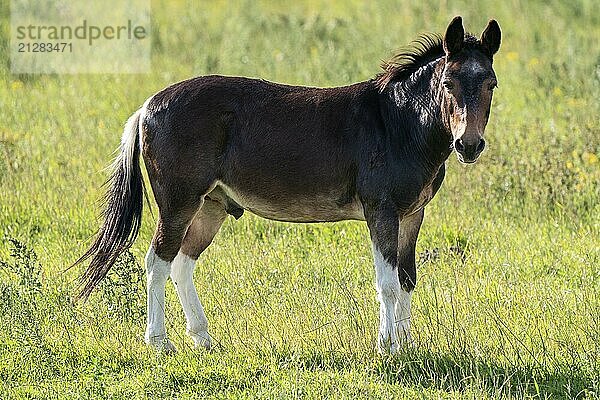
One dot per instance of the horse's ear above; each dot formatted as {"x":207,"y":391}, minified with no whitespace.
{"x":490,"y":38}
{"x":454,"y":37}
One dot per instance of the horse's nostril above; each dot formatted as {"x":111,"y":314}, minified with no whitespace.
{"x":481,"y":145}
{"x":459,"y":145}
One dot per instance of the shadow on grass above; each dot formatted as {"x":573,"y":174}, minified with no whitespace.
{"x":454,"y":372}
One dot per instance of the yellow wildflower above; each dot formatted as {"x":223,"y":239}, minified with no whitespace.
{"x":512,"y":56}
{"x":557,"y":91}
{"x":533,"y":62}
{"x":589,"y":158}
{"x":16,"y":85}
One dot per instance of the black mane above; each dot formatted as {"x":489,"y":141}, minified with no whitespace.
{"x":420,"y":52}
{"x":426,"y":48}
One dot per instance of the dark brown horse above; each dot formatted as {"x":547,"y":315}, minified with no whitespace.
{"x":372,"y":151}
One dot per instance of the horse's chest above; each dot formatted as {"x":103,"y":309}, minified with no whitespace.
{"x":423,"y":198}
{"x":426,"y":192}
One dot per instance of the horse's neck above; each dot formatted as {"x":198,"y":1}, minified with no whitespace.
{"x":415,"y":118}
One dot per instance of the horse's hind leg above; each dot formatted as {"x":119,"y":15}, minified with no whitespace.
{"x":168,"y":236}
{"x":198,"y":237}
{"x":178,"y":203}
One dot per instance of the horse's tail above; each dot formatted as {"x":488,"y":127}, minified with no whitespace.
{"x":122,"y":213}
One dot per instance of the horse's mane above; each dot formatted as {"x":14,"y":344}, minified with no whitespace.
{"x":426,"y":48}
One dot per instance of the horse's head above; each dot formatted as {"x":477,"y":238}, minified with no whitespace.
{"x":468,"y":82}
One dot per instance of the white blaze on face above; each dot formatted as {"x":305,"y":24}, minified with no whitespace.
{"x":473,"y":66}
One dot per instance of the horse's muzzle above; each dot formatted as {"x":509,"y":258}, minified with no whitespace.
{"x":469,"y":150}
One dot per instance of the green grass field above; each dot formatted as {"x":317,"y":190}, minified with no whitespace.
{"x":507,"y":303}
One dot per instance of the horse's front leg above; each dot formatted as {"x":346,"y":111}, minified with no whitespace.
{"x":383,"y":226}
{"x":407,"y":271}
{"x":393,"y":246}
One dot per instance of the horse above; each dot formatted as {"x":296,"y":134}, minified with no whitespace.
{"x":373,"y":151}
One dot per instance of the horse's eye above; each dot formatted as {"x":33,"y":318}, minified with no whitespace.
{"x":448,"y":85}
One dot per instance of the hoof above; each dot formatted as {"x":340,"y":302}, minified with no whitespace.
{"x":162,"y":344}
{"x":387,"y":347}
{"x":201,"y":340}
{"x":405,"y":339}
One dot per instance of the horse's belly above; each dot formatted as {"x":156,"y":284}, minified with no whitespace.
{"x":295,"y":208}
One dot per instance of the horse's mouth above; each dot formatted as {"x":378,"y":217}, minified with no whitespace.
{"x":464,"y":160}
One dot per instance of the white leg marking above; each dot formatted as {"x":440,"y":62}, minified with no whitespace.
{"x":403,"y":316}
{"x":388,"y":289}
{"x":157,"y":273}
{"x":394,"y":306}
{"x":182,"y":273}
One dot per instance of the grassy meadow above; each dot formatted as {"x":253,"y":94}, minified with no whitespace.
{"x":507,"y":303}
